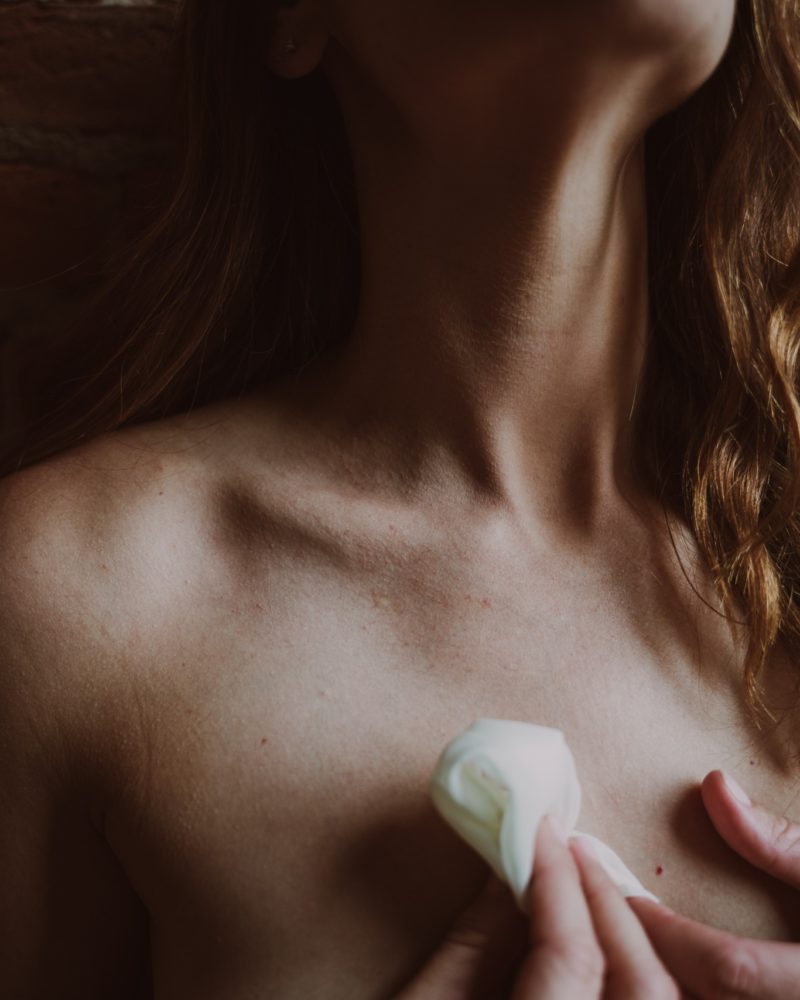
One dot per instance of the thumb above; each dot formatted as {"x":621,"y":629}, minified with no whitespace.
{"x":481,"y":949}
{"x":771,"y":843}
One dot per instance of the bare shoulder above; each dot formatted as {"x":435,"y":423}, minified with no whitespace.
{"x":96,"y":544}
{"x":93,"y":539}
{"x":112,"y":562}
{"x":105,"y":547}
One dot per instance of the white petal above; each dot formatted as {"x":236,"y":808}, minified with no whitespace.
{"x":493,"y":784}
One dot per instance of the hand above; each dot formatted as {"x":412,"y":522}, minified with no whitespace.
{"x":715,"y":964}
{"x":583,"y":940}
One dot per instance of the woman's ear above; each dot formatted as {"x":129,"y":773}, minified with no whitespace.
{"x":297,"y":39}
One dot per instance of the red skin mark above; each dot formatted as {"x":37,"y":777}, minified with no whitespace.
{"x":659,"y":869}
{"x":391,"y":527}
{"x":484,"y":601}
{"x":258,"y":606}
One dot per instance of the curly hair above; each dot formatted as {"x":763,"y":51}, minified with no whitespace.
{"x":718,"y":411}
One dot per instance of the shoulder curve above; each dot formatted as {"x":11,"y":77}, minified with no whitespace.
{"x":85,"y":587}
{"x":99,"y":479}
{"x":36,"y":666}
{"x":80,"y":530}
{"x":122,"y":532}
{"x":43,"y":516}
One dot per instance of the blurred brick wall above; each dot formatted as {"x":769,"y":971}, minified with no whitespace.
{"x":82,"y":131}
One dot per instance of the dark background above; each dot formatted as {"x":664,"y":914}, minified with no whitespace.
{"x":84,"y":94}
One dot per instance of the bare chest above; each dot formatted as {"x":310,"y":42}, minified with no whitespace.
{"x":278,"y":823}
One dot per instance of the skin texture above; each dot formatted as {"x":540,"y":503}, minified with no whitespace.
{"x":234,"y":643}
{"x":237,"y":669}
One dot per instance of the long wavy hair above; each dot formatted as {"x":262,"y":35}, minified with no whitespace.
{"x":251,"y":268}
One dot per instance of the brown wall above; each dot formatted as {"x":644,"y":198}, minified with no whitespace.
{"x":82,"y":131}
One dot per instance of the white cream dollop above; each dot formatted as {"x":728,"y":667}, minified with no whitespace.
{"x":494,"y":783}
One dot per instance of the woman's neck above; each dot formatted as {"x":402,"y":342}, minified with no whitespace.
{"x":503,"y":323}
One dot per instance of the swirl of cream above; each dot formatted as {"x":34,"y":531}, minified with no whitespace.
{"x":494,"y":783}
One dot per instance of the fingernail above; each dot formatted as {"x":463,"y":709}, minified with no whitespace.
{"x":585,"y":846}
{"x":650,"y":900}
{"x":556,"y":828}
{"x":736,"y":789}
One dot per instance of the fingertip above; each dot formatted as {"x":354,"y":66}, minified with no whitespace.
{"x":550,"y":841}
{"x":553,"y":829}
{"x":650,"y":911}
{"x":711,"y":779}
{"x":647,"y":903}
{"x":731,"y":809}
{"x":557,"y":906}
{"x":584,"y":850}
{"x":592,"y":872}
{"x":747,"y":827}
{"x":734,"y":790}
{"x":715,"y":792}
{"x":713,"y":786}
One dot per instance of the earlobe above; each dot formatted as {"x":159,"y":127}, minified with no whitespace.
{"x":297,"y":41}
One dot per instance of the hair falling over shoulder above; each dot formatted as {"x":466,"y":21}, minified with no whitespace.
{"x":251,"y":270}
{"x":718,"y":422}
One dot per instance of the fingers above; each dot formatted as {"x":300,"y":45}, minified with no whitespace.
{"x":711,"y":964}
{"x":632,"y":967}
{"x":771,"y":843}
{"x":586,"y":942}
{"x":559,"y":911}
{"x":485,"y":943}
{"x":566,"y":958}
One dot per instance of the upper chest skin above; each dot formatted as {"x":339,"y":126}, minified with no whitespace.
{"x":271,"y":803}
